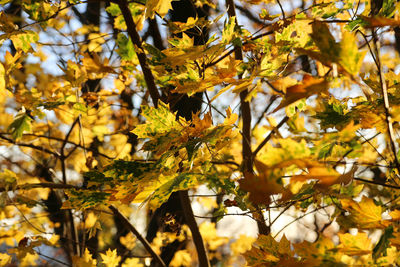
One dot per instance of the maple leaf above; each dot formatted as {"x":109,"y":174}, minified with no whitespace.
{"x":383,"y":243}
{"x":267,"y":250}
{"x":23,"y":40}
{"x":306,"y":88}
{"x":365,"y":214}
{"x":5,"y":259}
{"x":324,"y":40}
{"x":85,"y":261}
{"x":327,"y":176}
{"x":378,"y":21}
{"x":209,"y":233}
{"x":344,"y":53}
{"x":261,"y":186}
{"x":129,"y":241}
{"x":110,"y":258}
{"x":160,"y":7}
{"x":242,"y":244}
{"x":349,"y":57}
{"x":159,"y":120}
{"x":313,"y":254}
{"x":354,"y":245}
{"x":181,"y":258}
{"x":21,"y":124}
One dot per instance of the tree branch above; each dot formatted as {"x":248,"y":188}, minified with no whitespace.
{"x":136,"y":40}
{"x":190,"y":220}
{"x":42,"y":185}
{"x":146,"y":244}
{"x":246,"y":129}
{"x":383,"y":85}
{"x":29,"y":145}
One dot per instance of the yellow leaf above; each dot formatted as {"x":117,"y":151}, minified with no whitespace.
{"x":374,"y":22}
{"x":2,"y":79}
{"x":4,"y":259}
{"x":242,"y":244}
{"x":349,"y":58}
{"x":231,"y":118}
{"x":132,"y":262}
{"x":85,"y":261}
{"x":110,"y":259}
{"x":208,"y":202}
{"x":365,"y":213}
{"x":129,"y":241}
{"x":267,"y":250}
{"x":261,"y":186}
{"x":312,"y":252}
{"x":396,"y":240}
{"x":209,"y":234}
{"x":181,"y":258}
{"x":324,"y":40}
{"x":160,"y":7}
{"x":91,"y":220}
{"x":355,"y":245}
{"x":395,"y":215}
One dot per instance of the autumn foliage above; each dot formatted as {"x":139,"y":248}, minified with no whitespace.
{"x":130,"y":131}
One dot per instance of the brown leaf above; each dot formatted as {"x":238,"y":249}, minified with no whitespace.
{"x":380,"y":22}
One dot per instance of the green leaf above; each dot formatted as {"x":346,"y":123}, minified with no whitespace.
{"x":21,"y":124}
{"x":125,"y":47}
{"x":228,"y":34}
{"x":388,"y":8}
{"x":113,"y":9}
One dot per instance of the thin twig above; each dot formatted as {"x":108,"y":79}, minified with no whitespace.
{"x":281,"y":7}
{"x":266,"y":139}
{"x":42,"y":149}
{"x":271,"y":101}
{"x":298,"y":218}
{"x":386,"y":101}
{"x":376,"y":183}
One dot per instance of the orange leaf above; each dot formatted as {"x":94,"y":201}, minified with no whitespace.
{"x":308,"y":87}
{"x":327,"y":176}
